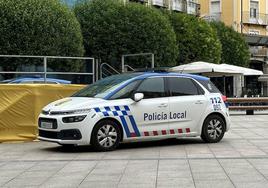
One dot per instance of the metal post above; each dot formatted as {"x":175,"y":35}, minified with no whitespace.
{"x":45,"y":69}
{"x":152,"y":60}
{"x":224,"y":85}
{"x":241,"y":16}
{"x":93,"y":70}
{"x":123,"y":63}
{"x":97,"y":70}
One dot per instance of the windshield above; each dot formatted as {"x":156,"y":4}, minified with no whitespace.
{"x":103,"y":87}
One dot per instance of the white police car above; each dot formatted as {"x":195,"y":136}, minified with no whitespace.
{"x":137,"y":106}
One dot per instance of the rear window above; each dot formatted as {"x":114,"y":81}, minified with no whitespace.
{"x":209,"y":86}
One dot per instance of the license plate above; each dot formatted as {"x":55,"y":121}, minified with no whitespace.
{"x":46,"y":125}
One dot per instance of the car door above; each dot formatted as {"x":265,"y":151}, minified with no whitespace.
{"x":149,"y":116}
{"x":187,"y":103}
{"x":151,"y":113}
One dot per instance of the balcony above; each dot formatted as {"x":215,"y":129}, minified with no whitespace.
{"x":213,"y":17}
{"x":139,"y":1}
{"x":258,"y":51}
{"x":179,"y":5}
{"x":193,"y":8}
{"x":257,"y":19}
{"x":159,"y":3}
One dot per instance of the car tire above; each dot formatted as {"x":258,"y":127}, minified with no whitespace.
{"x":213,"y":129}
{"x":106,"y":136}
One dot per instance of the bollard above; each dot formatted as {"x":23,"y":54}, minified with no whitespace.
{"x":249,"y":112}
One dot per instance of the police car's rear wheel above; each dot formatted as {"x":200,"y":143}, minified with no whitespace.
{"x":213,"y":129}
{"x":106,"y":136}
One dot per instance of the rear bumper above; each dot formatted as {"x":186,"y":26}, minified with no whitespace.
{"x":228,"y":121}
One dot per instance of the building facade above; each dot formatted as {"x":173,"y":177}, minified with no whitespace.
{"x":186,"y":6}
{"x":245,"y":16}
{"x":249,"y":17}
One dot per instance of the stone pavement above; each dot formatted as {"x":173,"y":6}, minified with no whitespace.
{"x":240,"y":160}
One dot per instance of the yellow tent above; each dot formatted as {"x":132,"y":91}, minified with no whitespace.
{"x":20,"y":106}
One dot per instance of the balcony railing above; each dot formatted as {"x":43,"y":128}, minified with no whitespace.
{"x":258,"y":51}
{"x":187,"y":6}
{"x":193,"y":8}
{"x":257,"y":19}
{"x":179,"y":5}
{"x":213,"y":17}
{"x":139,"y":1}
{"x":158,"y":2}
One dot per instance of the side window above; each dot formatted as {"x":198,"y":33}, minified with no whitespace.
{"x":126,"y":91}
{"x":209,"y":86}
{"x":182,"y":87}
{"x":152,"y":88}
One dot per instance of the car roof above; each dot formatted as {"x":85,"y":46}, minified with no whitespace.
{"x":24,"y":79}
{"x":144,"y":75}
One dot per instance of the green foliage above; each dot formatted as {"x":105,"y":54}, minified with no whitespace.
{"x":196,"y":40}
{"x":39,"y":27}
{"x":111,"y":29}
{"x":234,"y":47}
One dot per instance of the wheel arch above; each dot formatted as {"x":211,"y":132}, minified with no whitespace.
{"x":114,"y":120}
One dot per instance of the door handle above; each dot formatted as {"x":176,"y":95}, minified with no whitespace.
{"x":163,"y":105}
{"x":199,"y":102}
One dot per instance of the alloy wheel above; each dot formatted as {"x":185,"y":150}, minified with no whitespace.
{"x":107,"y":136}
{"x":214,"y":129}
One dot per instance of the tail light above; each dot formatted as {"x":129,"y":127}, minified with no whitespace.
{"x":224,"y":98}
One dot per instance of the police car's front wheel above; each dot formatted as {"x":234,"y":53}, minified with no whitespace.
{"x":213,"y":129}
{"x":106,"y":136}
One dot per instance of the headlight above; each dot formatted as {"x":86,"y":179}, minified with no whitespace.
{"x":80,"y":111}
{"x":73,"y":119}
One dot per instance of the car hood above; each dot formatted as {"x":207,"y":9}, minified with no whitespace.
{"x":73,"y":103}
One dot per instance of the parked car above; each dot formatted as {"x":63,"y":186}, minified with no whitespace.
{"x":137,"y":106}
{"x":35,"y":80}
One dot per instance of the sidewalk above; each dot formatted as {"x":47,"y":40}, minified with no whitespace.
{"x":240,"y":160}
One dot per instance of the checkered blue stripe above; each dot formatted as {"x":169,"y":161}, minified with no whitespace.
{"x":122,"y":112}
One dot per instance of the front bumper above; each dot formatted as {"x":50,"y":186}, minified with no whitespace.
{"x":69,"y":134}
{"x":77,"y":133}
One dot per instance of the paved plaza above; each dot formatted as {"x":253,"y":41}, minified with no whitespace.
{"x":239,"y":160}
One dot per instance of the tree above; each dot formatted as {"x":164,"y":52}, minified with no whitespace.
{"x":196,"y":40}
{"x":34,"y":27}
{"x":234,"y":47}
{"x":111,"y":29}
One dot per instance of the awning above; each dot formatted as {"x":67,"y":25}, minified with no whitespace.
{"x":212,"y":69}
{"x":243,"y":70}
{"x":203,"y":67}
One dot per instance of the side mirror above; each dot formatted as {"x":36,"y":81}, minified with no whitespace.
{"x":138,"y":96}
